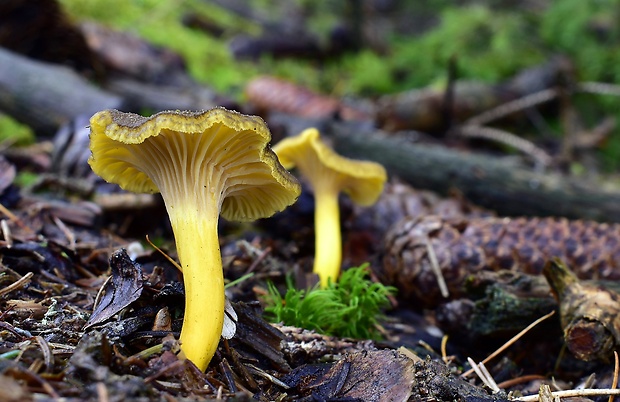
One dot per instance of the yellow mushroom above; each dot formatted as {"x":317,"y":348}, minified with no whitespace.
{"x":203,"y":164}
{"x":329,"y":173}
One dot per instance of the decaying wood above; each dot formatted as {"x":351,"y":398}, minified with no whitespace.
{"x":472,"y":103}
{"x":500,"y":303}
{"x":301,"y":344}
{"x":497,"y":304}
{"x":434,"y":382}
{"x":467,"y":246}
{"x":590,"y":315}
{"x":504,"y":186}
{"x":45,"y":96}
{"x":139,"y":95}
{"x":424,"y":109}
{"x":258,"y":337}
{"x":380,"y":375}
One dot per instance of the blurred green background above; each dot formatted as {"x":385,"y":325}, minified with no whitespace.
{"x":401,"y":44}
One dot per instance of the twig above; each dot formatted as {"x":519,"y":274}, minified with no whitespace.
{"x":513,"y":107}
{"x":166,"y":256}
{"x":545,"y":395}
{"x":520,"y":380}
{"x":259,"y":259}
{"x":6,"y":233}
{"x":267,"y":376}
{"x":599,"y":88}
{"x":21,"y":282}
{"x":228,"y":376}
{"x":173,"y":367}
{"x":48,"y":356}
{"x":614,"y":383}
{"x":102,"y":392}
{"x":572,"y":393}
{"x":484,"y":375}
{"x":510,"y":342}
{"x":489,"y":377}
{"x":20,"y":333}
{"x":101,"y":292}
{"x":444,"y":343}
{"x":66,"y":231}
{"x":443,"y":288}
{"x":30,"y":376}
{"x":61,"y":348}
{"x":14,"y":218}
{"x":504,"y":137}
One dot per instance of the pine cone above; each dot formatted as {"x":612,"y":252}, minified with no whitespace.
{"x":466,"y":246}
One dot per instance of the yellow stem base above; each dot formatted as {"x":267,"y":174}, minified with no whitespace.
{"x":328,"y":240}
{"x":199,"y":255}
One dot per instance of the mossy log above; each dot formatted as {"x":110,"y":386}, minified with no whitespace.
{"x":502,"y":303}
{"x":497,"y":183}
{"x":44,"y":96}
{"x":497,"y":304}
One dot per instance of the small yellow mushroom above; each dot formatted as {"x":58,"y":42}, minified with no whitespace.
{"x":329,"y":173}
{"x":203,"y":164}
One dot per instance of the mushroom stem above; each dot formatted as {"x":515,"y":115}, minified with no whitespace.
{"x":328,"y":240}
{"x":199,"y":254}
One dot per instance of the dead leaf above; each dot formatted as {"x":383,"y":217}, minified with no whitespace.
{"x":124,"y":287}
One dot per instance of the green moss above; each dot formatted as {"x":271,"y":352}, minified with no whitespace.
{"x":15,"y":133}
{"x":26,"y":179}
{"x":350,"y":308}
{"x":587,"y":31}
{"x":488,"y":42}
{"x":487,"y":45}
{"x":159,"y":22}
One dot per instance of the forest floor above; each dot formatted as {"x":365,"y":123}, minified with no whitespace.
{"x":92,"y":301}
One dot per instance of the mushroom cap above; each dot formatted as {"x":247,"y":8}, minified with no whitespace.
{"x":226,"y":151}
{"x":363,"y":181}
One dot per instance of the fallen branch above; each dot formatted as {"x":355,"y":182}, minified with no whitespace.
{"x":44,"y":96}
{"x":500,"y":184}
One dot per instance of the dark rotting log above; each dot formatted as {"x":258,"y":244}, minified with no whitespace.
{"x":505,"y":186}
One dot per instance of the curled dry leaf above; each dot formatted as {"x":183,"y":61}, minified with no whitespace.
{"x":124,"y":287}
